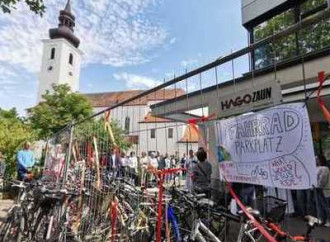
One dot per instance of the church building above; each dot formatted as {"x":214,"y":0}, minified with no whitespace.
{"x":61,"y":60}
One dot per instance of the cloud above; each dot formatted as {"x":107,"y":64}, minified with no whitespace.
{"x":172,"y":41}
{"x":136,"y":81}
{"x":115,"y":32}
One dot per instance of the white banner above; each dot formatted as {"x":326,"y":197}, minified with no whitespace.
{"x":273,"y":147}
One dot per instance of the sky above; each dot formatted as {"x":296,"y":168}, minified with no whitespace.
{"x":127,"y":44}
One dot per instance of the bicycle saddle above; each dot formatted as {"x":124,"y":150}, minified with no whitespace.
{"x":206,"y":202}
{"x":254,"y":212}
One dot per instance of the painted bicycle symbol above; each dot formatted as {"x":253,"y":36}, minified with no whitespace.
{"x":259,"y":172}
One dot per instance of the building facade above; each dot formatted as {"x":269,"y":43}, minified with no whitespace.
{"x":145,"y":132}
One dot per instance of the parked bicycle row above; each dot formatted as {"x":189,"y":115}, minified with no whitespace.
{"x":106,"y":207}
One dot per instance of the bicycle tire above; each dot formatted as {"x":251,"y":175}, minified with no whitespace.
{"x":37,"y":233}
{"x":17,"y":235}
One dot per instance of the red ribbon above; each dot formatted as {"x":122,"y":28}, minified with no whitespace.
{"x":325,"y":111}
{"x":161,"y":174}
{"x":107,"y":116}
{"x":89,"y":152}
{"x":114,"y":215}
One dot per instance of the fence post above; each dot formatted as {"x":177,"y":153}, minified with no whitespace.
{"x":68,"y":156}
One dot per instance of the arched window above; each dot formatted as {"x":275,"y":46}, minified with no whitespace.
{"x":71,"y":59}
{"x":52,"y":53}
{"x":127,"y":123}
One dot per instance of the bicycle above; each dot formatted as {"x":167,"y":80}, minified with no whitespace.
{"x":19,"y":214}
{"x":274,"y":214}
{"x":199,"y":215}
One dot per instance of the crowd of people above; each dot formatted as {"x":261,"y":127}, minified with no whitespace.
{"x":197,"y":170}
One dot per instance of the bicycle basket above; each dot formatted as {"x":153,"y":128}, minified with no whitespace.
{"x":272,"y":208}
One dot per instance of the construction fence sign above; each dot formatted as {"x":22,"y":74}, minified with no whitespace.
{"x":272,"y":147}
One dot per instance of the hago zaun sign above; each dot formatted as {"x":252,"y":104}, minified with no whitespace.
{"x":260,"y":96}
{"x":272,"y":147}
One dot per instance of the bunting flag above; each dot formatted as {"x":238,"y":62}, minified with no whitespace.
{"x":97,"y":163}
{"x":89,"y":153}
{"x":108,"y":127}
{"x":114,"y":216}
{"x":193,"y":123}
{"x":325,"y":111}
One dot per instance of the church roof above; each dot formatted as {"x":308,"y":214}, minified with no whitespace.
{"x":153,"y":119}
{"x":108,"y":99}
{"x":65,"y":27}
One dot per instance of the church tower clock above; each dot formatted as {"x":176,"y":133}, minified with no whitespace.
{"x":61,"y":57}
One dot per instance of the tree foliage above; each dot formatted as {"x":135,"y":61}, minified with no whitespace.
{"x":59,"y":109}
{"x":13,"y":133}
{"x":307,"y":40}
{"x":36,"y":6}
{"x":84,"y":132}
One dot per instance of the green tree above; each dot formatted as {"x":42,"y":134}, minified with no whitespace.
{"x":13,"y":133}
{"x":85,"y":132}
{"x":36,"y":6}
{"x":307,"y":40}
{"x":59,"y":108}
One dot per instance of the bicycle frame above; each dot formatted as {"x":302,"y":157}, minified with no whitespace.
{"x":199,"y":226}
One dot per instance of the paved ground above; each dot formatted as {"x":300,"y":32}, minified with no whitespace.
{"x":295,"y":226}
{"x":4,"y":206}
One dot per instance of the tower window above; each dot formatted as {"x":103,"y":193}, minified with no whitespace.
{"x":52,"y":53}
{"x":127,"y":122}
{"x":71,"y":59}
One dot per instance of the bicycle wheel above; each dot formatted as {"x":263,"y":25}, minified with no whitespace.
{"x":40,"y":227}
{"x":13,"y":229}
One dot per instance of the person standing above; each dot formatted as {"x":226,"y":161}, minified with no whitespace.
{"x":153,"y":165}
{"x":189,"y":165}
{"x":113,"y":161}
{"x":25,"y":162}
{"x":144,"y":161}
{"x":202,"y":174}
{"x":161,"y":162}
{"x":153,"y":161}
{"x":124,"y":164}
{"x":133,"y":166}
{"x":167,"y":166}
{"x":322,"y":206}
{"x":183,"y":163}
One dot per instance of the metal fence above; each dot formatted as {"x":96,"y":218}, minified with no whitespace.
{"x":99,"y":153}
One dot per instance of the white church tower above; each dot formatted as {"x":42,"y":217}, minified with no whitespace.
{"x":61,"y":57}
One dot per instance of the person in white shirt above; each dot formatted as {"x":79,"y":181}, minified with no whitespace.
{"x":189,"y":165}
{"x":144,"y":161}
{"x":322,"y":205}
{"x":153,"y":163}
{"x":133,"y":166}
{"x":167,"y":166}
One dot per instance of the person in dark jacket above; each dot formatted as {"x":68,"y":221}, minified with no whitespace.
{"x":113,"y":160}
{"x":202,"y":174}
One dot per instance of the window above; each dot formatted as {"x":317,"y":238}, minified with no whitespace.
{"x":52,"y":53}
{"x":153,"y":133}
{"x":170,"y":133}
{"x":71,"y":59}
{"x":127,"y":122}
{"x":307,"y":40}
